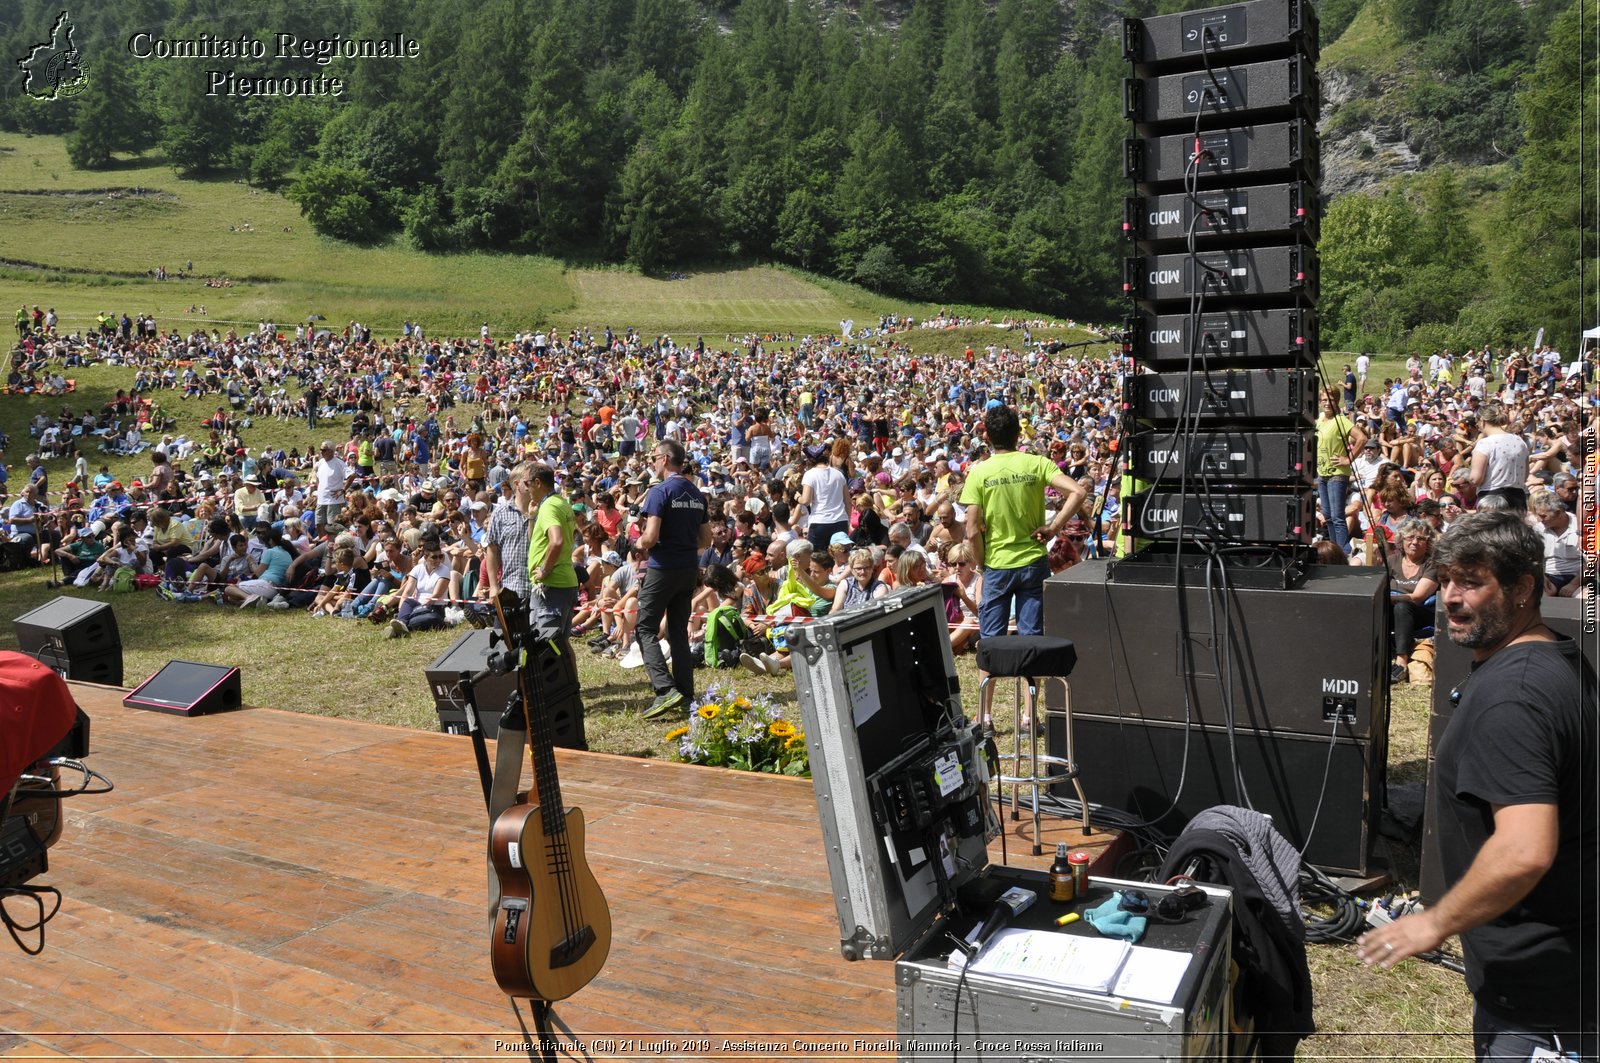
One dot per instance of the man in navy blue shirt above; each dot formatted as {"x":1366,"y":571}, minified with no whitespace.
{"x":675,"y":532}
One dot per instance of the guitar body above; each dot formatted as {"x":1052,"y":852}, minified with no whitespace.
{"x":552,"y":928}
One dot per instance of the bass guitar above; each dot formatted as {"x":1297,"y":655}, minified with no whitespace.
{"x":552,"y":928}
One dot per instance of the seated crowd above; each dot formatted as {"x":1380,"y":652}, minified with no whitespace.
{"x":833,"y":469}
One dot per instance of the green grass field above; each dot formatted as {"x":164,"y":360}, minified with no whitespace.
{"x":66,"y":242}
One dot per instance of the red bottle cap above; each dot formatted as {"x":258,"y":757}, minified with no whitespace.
{"x":1079,"y":857}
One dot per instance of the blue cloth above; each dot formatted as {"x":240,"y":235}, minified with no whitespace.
{"x":1113,"y":922}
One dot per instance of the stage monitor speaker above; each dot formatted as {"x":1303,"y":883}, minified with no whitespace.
{"x":1323,"y":794}
{"x":558,"y":672}
{"x":187,"y":688}
{"x":76,"y":637}
{"x":1452,"y":664}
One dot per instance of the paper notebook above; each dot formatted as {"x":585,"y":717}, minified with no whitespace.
{"x":1092,"y":964}
{"x":1069,"y":960}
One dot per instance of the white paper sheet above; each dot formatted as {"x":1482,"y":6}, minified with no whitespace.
{"x":861,"y":681}
{"x":1152,"y":975}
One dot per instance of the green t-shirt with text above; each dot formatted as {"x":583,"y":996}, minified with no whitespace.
{"x":554,"y":512}
{"x":1333,"y":439}
{"x":1010,"y":489}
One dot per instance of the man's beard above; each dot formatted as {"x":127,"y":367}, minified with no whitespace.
{"x":1490,"y":624}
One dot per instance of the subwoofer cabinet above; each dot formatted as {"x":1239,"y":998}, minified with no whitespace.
{"x":1309,"y":661}
{"x":1231,"y":695}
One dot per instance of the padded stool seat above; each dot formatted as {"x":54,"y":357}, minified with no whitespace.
{"x":1026,"y":655}
{"x":1031,"y":660}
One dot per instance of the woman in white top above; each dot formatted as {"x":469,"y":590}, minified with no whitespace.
{"x":1500,"y":459}
{"x":823,"y":489}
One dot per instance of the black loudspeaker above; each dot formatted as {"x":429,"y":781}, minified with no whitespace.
{"x":75,"y":637}
{"x":186,"y":688}
{"x":1301,"y":661}
{"x":1307,"y":670}
{"x":1451,"y":665}
{"x":558,"y":672}
{"x":1323,"y":794}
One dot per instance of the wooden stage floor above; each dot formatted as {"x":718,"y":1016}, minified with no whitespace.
{"x":263,"y":884}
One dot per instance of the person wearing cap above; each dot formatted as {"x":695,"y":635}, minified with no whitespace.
{"x":330,"y":473}
{"x":601,"y":608}
{"x":839,"y":547}
{"x":676,"y":530}
{"x":552,"y":579}
{"x":1004,"y":496}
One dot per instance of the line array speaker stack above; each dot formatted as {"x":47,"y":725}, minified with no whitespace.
{"x":1302,"y":676}
{"x":1451,"y":665}
{"x":558,"y":672}
{"x":75,"y":637}
{"x":1223,"y":275}
{"x":1217,"y":663}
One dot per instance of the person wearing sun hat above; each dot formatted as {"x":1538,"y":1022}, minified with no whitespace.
{"x":248,"y":500}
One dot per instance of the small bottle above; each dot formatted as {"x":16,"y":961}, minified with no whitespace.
{"x":1063,"y":888}
{"x":1079,"y":862}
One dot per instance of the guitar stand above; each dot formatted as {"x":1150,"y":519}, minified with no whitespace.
{"x":543,"y":1035}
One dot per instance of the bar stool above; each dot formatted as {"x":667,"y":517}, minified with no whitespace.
{"x":1032,"y":658}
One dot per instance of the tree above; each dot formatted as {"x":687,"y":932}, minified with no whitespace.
{"x":110,"y":118}
{"x":340,"y":201}
{"x":197,"y":129}
{"x":1366,"y":253}
{"x":1553,"y":231}
{"x":660,"y":218}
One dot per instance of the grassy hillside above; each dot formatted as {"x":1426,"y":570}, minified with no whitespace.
{"x":84,"y":242}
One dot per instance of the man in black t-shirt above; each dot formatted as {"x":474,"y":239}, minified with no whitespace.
{"x":675,"y":532}
{"x":1515,"y":793}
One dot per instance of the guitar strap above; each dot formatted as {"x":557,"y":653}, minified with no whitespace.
{"x":480,"y":749}
{"x":503,"y":787}
{"x":507,"y":782}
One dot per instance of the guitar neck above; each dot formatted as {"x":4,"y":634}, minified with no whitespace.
{"x":541,"y":730}
{"x":542,"y":752}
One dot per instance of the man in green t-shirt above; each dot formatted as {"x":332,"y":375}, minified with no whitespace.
{"x":1004,"y":496}
{"x":1337,"y":439}
{"x":550,"y":543}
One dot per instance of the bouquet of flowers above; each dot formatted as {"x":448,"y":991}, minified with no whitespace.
{"x":726,"y":730}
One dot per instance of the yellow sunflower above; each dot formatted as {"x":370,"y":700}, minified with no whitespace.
{"x":798,"y":741}
{"x":676,"y":733}
{"x":710,"y":712}
{"x":781,"y":729}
